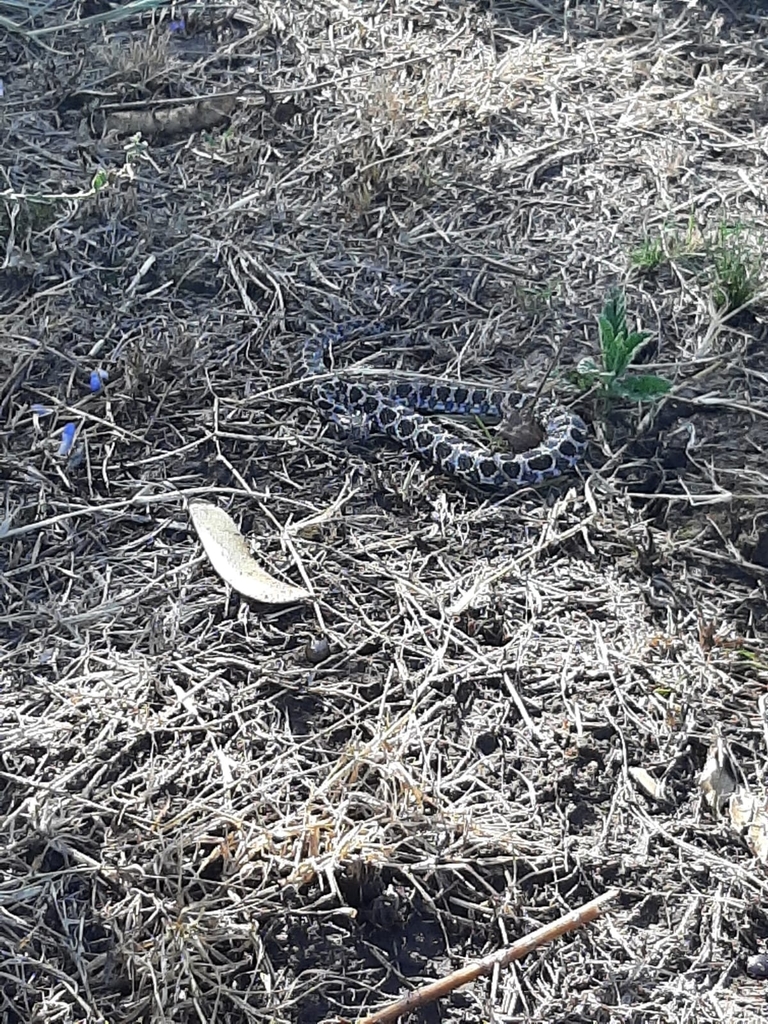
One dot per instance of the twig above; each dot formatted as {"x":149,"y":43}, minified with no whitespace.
{"x":437,"y":989}
{"x":548,"y":373}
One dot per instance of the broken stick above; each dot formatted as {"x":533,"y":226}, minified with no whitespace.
{"x":441,"y":987}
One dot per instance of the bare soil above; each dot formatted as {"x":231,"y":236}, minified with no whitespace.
{"x":202,"y":816}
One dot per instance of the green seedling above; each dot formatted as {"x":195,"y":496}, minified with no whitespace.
{"x":736,"y":269}
{"x":618,"y":348}
{"x":135,"y":151}
{"x":722,"y":259}
{"x":649,"y":255}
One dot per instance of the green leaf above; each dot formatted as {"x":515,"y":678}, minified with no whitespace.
{"x":614,"y":357}
{"x":627,"y":346}
{"x":637,"y":338}
{"x":587,"y":365}
{"x":99,"y":180}
{"x":615,"y":307}
{"x":613,"y":332}
{"x":643,"y":388}
{"x":587,"y":374}
{"x":621,"y":357}
{"x":608,"y":344}
{"x":583,"y":381}
{"x":607,"y":332}
{"x":615,"y":311}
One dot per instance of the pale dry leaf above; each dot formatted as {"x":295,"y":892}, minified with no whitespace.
{"x":717,"y":781}
{"x":749,"y":816}
{"x":645,"y":781}
{"x":231,"y":558}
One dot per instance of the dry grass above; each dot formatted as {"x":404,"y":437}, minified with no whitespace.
{"x":196,"y":822}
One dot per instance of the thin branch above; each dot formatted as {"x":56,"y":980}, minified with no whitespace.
{"x":443,"y":986}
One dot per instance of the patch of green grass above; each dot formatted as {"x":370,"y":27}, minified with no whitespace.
{"x":725,"y":259}
{"x":670,"y":244}
{"x":753,"y":658}
{"x":618,"y":347}
{"x":649,"y":255}
{"x":537,"y":299}
{"x":736,"y":268}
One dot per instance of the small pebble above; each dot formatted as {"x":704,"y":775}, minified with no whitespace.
{"x":317,"y":651}
{"x":757,"y":966}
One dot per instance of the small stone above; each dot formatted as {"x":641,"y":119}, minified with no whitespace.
{"x":317,"y":651}
{"x":757,"y":966}
{"x":486,"y":743}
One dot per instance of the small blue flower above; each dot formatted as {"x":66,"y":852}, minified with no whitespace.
{"x":98,"y":377}
{"x":67,"y":439}
{"x":176,"y":26}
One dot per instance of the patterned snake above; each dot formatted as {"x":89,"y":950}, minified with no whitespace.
{"x":395,"y":410}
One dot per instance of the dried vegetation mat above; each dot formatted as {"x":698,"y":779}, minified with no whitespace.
{"x":491,"y":710}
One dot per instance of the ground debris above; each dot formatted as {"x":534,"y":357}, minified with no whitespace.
{"x":210,"y":814}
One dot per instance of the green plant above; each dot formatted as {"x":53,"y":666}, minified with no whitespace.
{"x":724,"y":258}
{"x":135,"y":151}
{"x":736,"y":268}
{"x":649,"y":255}
{"x":671,"y":244}
{"x":618,"y":347}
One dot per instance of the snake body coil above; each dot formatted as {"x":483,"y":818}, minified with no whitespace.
{"x":395,"y":410}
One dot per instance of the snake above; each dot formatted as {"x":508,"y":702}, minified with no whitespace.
{"x":401,"y":410}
